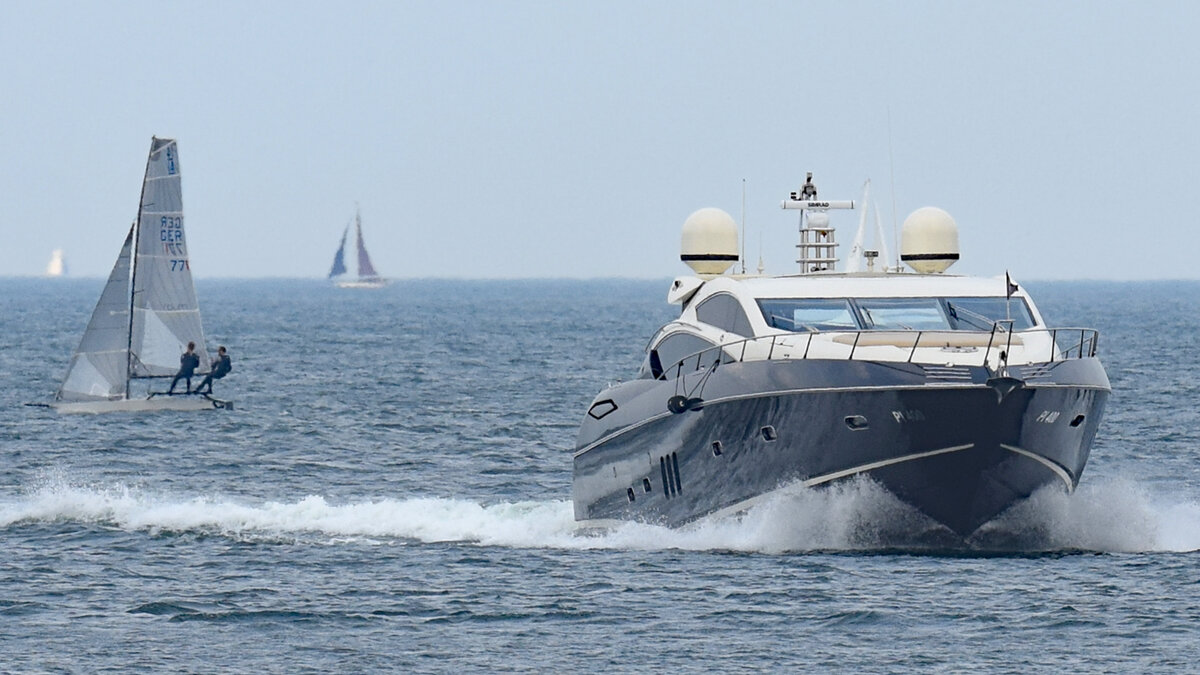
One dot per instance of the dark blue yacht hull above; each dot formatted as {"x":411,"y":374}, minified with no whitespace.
{"x":958,"y":443}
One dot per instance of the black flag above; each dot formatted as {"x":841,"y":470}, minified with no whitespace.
{"x":1010,"y":286}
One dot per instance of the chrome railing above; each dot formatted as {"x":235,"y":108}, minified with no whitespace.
{"x":927,"y":346}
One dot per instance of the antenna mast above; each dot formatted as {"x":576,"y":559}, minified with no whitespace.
{"x":817,"y":250}
{"x":892,"y":177}
{"x":743,"y":226}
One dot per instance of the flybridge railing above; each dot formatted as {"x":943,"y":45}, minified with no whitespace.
{"x":1063,"y":344}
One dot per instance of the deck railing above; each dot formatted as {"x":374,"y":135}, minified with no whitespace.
{"x":922,"y":346}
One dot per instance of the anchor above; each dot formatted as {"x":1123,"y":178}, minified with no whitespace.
{"x":1004,"y":385}
{"x":680,"y":404}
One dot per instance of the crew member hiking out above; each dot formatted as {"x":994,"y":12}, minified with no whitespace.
{"x":189,"y":361}
{"x":220,"y":368}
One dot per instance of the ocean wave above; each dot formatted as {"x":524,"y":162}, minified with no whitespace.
{"x":855,"y":516}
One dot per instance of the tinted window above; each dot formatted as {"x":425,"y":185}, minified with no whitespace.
{"x":725,"y":312}
{"x":904,"y":313}
{"x":676,"y":346}
{"x":980,"y":313}
{"x":808,"y":314}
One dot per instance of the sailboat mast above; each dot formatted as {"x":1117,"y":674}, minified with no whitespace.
{"x":132,"y":281}
{"x":133,"y":268}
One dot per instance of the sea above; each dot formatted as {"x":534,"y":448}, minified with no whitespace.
{"x":391,"y":492}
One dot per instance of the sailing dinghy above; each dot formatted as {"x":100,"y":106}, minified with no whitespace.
{"x":367,"y":277}
{"x":147,"y":312}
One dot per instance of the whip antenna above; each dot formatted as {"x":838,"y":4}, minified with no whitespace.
{"x":892,"y":171}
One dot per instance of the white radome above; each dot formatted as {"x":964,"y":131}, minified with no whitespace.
{"x":709,"y":243}
{"x":929,"y":240}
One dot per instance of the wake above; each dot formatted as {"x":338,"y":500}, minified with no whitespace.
{"x":858,"y":516}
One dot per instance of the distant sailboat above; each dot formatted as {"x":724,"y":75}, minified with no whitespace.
{"x":366,"y":276}
{"x":57,"y":267}
{"x":147,"y":312}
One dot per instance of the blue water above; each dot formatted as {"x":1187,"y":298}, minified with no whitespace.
{"x":392,"y":493}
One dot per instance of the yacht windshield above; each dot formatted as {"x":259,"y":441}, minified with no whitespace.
{"x":904,"y":313}
{"x":808,"y":314}
{"x":848,"y":314}
{"x":980,"y":313}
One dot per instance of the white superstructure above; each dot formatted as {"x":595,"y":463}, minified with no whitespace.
{"x":882,"y":314}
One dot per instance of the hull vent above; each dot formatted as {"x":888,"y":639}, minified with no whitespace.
{"x":668,"y":465}
{"x":948,"y":373}
{"x":1040,"y":372}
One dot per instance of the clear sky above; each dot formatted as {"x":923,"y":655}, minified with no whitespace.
{"x":572,"y":138}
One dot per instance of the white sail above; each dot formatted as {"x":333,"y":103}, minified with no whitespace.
{"x":166,"y":315}
{"x":57,"y":266}
{"x":99,"y":366}
{"x":880,"y":239}
{"x":853,"y":262}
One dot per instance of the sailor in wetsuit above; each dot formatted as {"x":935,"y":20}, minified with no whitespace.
{"x":188,"y":363}
{"x":220,"y":368}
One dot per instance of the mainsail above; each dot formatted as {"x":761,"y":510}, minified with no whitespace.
{"x":166,"y":315}
{"x":365,"y":269}
{"x":99,"y":367}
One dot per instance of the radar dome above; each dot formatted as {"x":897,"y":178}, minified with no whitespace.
{"x":929,"y":240}
{"x":710,"y":242}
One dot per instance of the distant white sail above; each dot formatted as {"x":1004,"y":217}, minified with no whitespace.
{"x":99,"y":367}
{"x":854,"y":261}
{"x":880,"y":239}
{"x":166,"y":315}
{"x":57,"y":266}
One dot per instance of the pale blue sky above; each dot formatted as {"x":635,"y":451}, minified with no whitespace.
{"x":535,"y":139}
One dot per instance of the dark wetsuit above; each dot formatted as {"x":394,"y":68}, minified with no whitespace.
{"x":221,"y":368}
{"x":188,"y":363}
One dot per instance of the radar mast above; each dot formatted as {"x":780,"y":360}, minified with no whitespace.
{"x":817,"y":250}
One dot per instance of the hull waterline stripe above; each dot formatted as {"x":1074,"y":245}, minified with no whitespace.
{"x":1048,"y":463}
{"x":882,"y":463}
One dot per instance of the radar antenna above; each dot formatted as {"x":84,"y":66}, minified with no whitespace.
{"x":817,"y":250}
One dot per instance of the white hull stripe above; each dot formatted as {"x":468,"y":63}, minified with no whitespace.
{"x":749,"y":503}
{"x":1048,"y":463}
{"x":819,"y":480}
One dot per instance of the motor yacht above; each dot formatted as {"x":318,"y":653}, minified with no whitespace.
{"x":951,"y":392}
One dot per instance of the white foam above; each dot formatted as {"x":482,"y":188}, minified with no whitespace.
{"x":1111,"y":515}
{"x":1116,"y":516}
